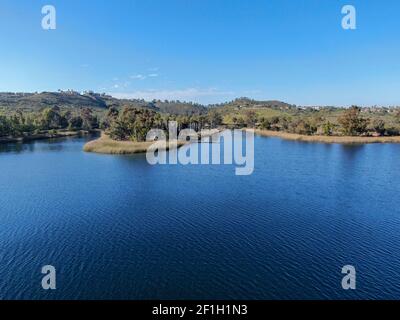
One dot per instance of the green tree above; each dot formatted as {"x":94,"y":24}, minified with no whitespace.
{"x":49,"y":118}
{"x":234,"y":121}
{"x":240,"y":122}
{"x":118,"y":130}
{"x":5,"y":126}
{"x":250,"y":118}
{"x":378,"y":126}
{"x":75,"y":123}
{"x":327,"y":128}
{"x":352,"y":122}
{"x":111,"y":115}
{"x":215,"y":118}
{"x":134,"y":124}
{"x":301,"y":126}
{"x":397,"y":115}
{"x":90,"y":121}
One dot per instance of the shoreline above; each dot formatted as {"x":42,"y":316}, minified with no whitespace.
{"x":106,"y":145}
{"x":42,"y":136}
{"x":326,"y":139}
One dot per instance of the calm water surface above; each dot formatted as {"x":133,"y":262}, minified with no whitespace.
{"x":118,"y":228}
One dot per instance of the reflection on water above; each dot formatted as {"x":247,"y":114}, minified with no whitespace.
{"x":56,"y":144}
{"x":350,"y":151}
{"x":16,"y":147}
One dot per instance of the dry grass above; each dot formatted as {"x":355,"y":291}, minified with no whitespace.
{"x":328,"y":139}
{"x":108,"y":146}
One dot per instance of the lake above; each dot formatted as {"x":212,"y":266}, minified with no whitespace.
{"x":116,"y":227}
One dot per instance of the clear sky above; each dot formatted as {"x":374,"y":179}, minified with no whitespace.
{"x":206,"y":50}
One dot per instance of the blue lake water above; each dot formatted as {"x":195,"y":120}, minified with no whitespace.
{"x":116,"y":227}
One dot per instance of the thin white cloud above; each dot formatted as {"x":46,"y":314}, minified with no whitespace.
{"x":138,"y":77}
{"x":142,"y":76}
{"x":208,"y":95}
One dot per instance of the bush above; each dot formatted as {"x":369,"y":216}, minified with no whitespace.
{"x":352,"y":123}
{"x":378,"y":126}
{"x":327,"y":129}
{"x":393,"y":131}
{"x":304,"y":127}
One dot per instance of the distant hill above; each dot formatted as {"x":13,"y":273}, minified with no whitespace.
{"x":10,"y":101}
{"x":72,"y":99}
{"x":244,"y":102}
{"x":177,"y":107}
{"x":46,"y":99}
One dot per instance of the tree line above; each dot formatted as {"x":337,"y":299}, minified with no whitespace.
{"x":127,"y":123}
{"x":130,"y":123}
{"x":49,"y":119}
{"x":133,"y":124}
{"x":350,"y":123}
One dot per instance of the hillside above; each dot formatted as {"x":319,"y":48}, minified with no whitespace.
{"x":10,"y":102}
{"x":244,"y":102}
{"x":28,"y":102}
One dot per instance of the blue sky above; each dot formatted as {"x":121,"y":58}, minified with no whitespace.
{"x":206,"y":50}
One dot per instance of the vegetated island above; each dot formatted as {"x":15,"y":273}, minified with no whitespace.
{"x":125,"y":122}
{"x":106,"y":145}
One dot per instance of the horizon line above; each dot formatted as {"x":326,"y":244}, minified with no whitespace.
{"x":263,"y":100}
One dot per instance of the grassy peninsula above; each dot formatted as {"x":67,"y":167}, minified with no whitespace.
{"x":106,"y":145}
